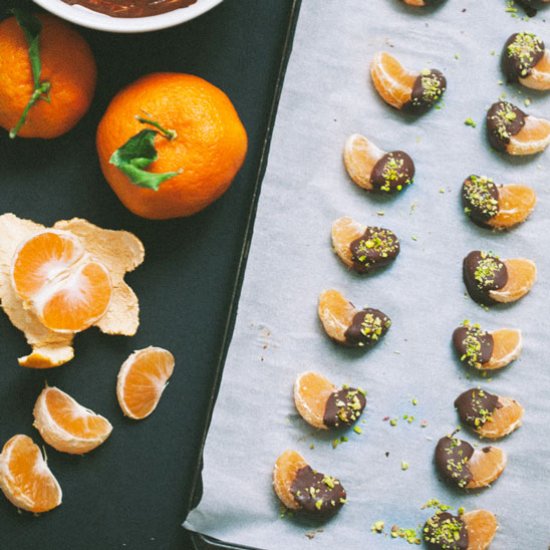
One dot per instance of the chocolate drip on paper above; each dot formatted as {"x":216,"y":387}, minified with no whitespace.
{"x":482,"y":273}
{"x":344,"y":407}
{"x":317,"y":494}
{"x":476,"y":406}
{"x":393,"y":172}
{"x":504,"y":120}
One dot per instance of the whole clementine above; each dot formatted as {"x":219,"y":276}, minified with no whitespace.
{"x":201,"y":146}
{"x":67,"y":66}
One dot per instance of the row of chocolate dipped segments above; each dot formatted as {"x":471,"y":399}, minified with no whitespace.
{"x":488,"y":279}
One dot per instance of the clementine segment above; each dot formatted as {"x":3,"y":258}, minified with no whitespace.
{"x":25,"y":477}
{"x":68,"y":66}
{"x":66,"y":425}
{"x":206,"y":145}
{"x":515,"y":204}
{"x":486,"y":465}
{"x":533,"y":138}
{"x":360,"y":157}
{"x":522,"y":275}
{"x":539,"y":77}
{"x":336,"y":314}
{"x":503,"y":420}
{"x":142,"y":380}
{"x":345,"y":231}
{"x":507,"y":346}
{"x":392,"y":81}
{"x":311,"y":392}
{"x":284,"y":473}
{"x":482,"y":527}
{"x":65,"y":287}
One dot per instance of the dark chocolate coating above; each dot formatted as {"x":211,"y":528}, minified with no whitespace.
{"x":377,"y":247}
{"x":317,"y":495}
{"x":482,"y":273}
{"x":445,"y":531}
{"x":451,"y":458}
{"x":367,"y":328}
{"x":428,"y":88}
{"x":473,"y":345}
{"x":480,"y":199}
{"x":475,"y":406}
{"x":344,"y":407}
{"x":504,"y":120}
{"x":393,"y":172}
{"x":522,"y":51}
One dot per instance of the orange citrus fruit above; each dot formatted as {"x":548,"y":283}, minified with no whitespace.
{"x":142,"y":380}
{"x":522,"y":275}
{"x":311,"y":393}
{"x":66,"y":425}
{"x":503,"y":420}
{"x":507,"y":346}
{"x":25,"y":477}
{"x":204,"y":144}
{"x":533,"y":138}
{"x":481,"y":526}
{"x":336,"y":314}
{"x":55,"y":277}
{"x":486,"y":465}
{"x":515,"y":204}
{"x":539,"y":77}
{"x":392,"y":81}
{"x":344,"y":232}
{"x":284,"y":473}
{"x":360,"y":157}
{"x":68,"y":66}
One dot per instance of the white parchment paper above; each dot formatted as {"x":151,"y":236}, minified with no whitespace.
{"x":328,"y":96}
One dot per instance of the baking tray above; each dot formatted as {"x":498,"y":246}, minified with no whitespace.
{"x":135,"y":490}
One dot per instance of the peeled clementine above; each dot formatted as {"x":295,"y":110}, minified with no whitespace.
{"x":200,"y":143}
{"x":68,"y":69}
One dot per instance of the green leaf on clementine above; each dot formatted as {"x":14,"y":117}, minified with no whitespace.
{"x":32,"y":28}
{"x":136,"y":155}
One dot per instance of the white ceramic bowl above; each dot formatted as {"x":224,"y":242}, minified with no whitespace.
{"x":94,"y":20}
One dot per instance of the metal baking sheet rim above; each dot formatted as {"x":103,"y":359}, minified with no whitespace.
{"x":202,"y":542}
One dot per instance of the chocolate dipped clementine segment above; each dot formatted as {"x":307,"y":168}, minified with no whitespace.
{"x":489,"y":279}
{"x":513,"y":131}
{"x":459,"y":463}
{"x":472,"y":530}
{"x":299,"y":487}
{"x":323,"y":405}
{"x":486,"y":350}
{"x":526,"y":60}
{"x":364,"y":248}
{"x":489,"y":415}
{"x":403,"y":89}
{"x":349,"y":326}
{"x":496,"y":206}
{"x":375,"y":170}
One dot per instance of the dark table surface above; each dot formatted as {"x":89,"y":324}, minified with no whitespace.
{"x":134,"y":491}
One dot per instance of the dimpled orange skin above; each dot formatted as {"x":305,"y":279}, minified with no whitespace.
{"x":210,"y":146}
{"x":67,"y":64}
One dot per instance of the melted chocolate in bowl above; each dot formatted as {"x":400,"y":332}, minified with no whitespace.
{"x":131,"y":8}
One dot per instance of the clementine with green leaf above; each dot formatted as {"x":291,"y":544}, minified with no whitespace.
{"x":47,"y":76}
{"x":170,"y":144}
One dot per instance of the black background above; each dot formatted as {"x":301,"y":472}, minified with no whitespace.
{"x":133,"y":491}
